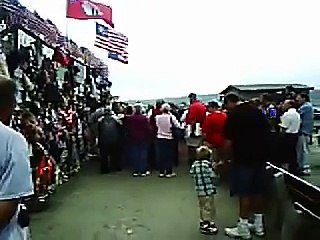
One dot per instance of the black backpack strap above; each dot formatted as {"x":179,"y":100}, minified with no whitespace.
{"x":99,"y":126}
{"x":171,"y":121}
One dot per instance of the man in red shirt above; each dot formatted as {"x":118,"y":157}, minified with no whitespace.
{"x":196,"y":114}
{"x":197,"y":111}
{"x":212,"y":130}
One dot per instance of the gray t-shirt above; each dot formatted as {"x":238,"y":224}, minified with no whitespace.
{"x":15,"y":176}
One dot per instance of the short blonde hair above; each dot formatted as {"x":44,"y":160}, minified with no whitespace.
{"x":203,"y":152}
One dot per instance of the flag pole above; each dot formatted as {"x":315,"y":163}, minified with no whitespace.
{"x":67,"y":5}
{"x":70,"y":67}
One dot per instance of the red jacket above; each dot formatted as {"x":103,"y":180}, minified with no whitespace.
{"x":213,"y":128}
{"x":196,"y":113}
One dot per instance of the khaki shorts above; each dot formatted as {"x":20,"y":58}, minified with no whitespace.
{"x":194,"y":141}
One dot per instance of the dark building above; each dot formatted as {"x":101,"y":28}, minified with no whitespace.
{"x":247,"y":92}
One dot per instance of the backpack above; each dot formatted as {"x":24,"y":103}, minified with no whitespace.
{"x":108,"y":130}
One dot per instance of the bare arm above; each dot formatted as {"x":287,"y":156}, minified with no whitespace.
{"x":229,"y":132}
{"x":16,"y":180}
{"x":7,"y":209}
{"x":227,"y":150}
{"x":175,"y":122}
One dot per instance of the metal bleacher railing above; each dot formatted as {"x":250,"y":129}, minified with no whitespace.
{"x":294,"y":201}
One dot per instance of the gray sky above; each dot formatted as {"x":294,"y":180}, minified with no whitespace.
{"x":182,"y":46}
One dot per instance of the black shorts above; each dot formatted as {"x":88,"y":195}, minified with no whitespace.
{"x":249,"y":180}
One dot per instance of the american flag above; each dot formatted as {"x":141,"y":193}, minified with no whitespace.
{"x":11,"y":6}
{"x":114,"y":42}
{"x":121,"y":58}
{"x":40,"y":26}
{"x":15,"y":10}
{"x":62,"y":41}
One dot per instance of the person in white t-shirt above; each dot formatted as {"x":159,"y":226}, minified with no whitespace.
{"x":290,"y":124}
{"x":15,"y":171}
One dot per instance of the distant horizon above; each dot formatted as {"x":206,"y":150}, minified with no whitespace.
{"x":316,"y":88}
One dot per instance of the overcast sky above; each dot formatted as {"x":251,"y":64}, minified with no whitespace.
{"x":182,"y":46}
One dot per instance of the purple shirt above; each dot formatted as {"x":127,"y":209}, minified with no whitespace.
{"x":138,"y":127}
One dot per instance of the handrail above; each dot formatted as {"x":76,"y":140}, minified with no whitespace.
{"x":302,"y":194}
{"x":296,"y":202}
{"x":304,"y":209}
{"x":294,"y":177}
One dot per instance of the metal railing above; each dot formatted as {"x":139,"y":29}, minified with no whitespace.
{"x":304,"y":195}
{"x":294,"y":207}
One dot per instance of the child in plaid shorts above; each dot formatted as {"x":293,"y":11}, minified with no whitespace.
{"x":204,"y":179}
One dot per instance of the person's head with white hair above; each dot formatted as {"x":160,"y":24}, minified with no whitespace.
{"x":165,"y":108}
{"x":137,"y":108}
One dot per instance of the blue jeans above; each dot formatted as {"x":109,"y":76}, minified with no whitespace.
{"x":302,"y":151}
{"x":165,"y":154}
{"x":139,"y":155}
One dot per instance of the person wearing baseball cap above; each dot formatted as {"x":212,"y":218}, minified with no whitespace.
{"x":195,"y":119}
{"x":212,"y":130}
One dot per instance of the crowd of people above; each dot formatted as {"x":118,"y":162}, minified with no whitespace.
{"x":244,"y":134}
{"x":43,"y":111}
{"x":241,"y":134}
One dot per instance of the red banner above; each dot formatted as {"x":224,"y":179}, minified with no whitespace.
{"x":86,"y":9}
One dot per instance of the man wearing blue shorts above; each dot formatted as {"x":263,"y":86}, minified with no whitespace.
{"x":247,"y":134}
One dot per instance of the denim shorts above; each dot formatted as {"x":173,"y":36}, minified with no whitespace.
{"x":249,"y":180}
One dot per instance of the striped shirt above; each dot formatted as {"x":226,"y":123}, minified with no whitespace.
{"x":203,"y":175}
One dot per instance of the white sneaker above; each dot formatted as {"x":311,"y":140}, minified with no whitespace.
{"x":241,"y":231}
{"x":135,"y":174}
{"x":258,"y":230}
{"x":307,"y":171}
{"x":171,"y":175}
{"x":148,"y":173}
